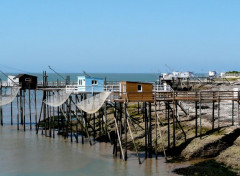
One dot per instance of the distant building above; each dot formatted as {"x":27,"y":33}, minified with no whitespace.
{"x":90,"y":84}
{"x":12,"y":80}
{"x":230,"y":75}
{"x":212,"y":73}
{"x":175,"y":75}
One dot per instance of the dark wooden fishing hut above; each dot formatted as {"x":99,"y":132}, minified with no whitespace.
{"x":27,"y":82}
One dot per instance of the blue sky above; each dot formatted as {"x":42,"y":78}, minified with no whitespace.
{"x":120,"y":36}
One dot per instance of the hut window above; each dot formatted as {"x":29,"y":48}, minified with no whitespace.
{"x":139,"y":88}
{"x":94,"y":82}
{"x":80,"y":82}
{"x":27,"y":79}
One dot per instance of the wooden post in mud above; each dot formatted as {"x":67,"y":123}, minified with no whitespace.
{"x":29,"y":106}
{"x":24,"y":111}
{"x":125,"y":130}
{"x":213,"y":113}
{"x":21,"y":106}
{"x":58,"y":119}
{"x":11,"y":113}
{"x":70,"y":117}
{"x":146,"y":129}
{"x":35,"y":107}
{"x":196,"y":118}
{"x":174,"y":125}
{"x":76,"y":110}
{"x":238,"y":114}
{"x":53,"y":121}
{"x":115,"y":133}
{"x":99,"y":122}
{"x":238,"y":108}
{"x":200,"y":115}
{"x":94,"y":127}
{"x":168,"y":119}
{"x":62,"y":119}
{"x":85,"y":117}
{"x":218,"y":112}
{"x":150,"y":131}
{"x":45,"y":114}
{"x":138,"y":107}
{"x":232,"y":113}
{"x":49,"y":117}
{"x":120,"y":124}
{"x":17,"y":113}
{"x":1,"y":114}
{"x":68,"y":111}
{"x":156,"y":121}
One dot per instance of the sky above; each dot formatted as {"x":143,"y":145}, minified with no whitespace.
{"x":125,"y":36}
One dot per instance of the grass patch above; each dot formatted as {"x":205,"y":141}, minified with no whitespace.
{"x":206,"y":168}
{"x":133,"y":106}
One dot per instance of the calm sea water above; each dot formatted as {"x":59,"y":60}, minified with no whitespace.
{"x":28,"y":154}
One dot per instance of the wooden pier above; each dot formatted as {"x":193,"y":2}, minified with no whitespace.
{"x":72,"y":122}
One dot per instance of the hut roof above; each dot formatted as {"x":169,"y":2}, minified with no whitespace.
{"x":21,"y":75}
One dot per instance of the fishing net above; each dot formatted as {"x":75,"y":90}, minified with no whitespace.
{"x":58,"y":98}
{"x":94,"y":103}
{"x":8,"y":95}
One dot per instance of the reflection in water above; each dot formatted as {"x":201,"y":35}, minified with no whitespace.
{"x":28,"y":154}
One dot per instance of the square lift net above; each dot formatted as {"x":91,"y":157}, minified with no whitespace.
{"x":90,"y":105}
{"x":8,"y":94}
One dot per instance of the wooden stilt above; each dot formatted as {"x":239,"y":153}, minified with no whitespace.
{"x":118,"y":136}
{"x":35,"y":107}
{"x":11,"y":113}
{"x":24,"y":111}
{"x":146,"y":130}
{"x":213,"y":114}
{"x":1,"y":114}
{"x":125,"y":130}
{"x":53,"y":122}
{"x":200,"y":114}
{"x":218,"y":112}
{"x":232,"y":113}
{"x":21,"y":106}
{"x":150,"y":131}
{"x":174,"y":125}
{"x":94,"y":127}
{"x":70,"y":117}
{"x":76,"y":99}
{"x":29,"y":106}
{"x":115,"y":133}
{"x":17,"y":112}
{"x":120,"y":124}
{"x":196,"y":120}
{"x":168,"y":118}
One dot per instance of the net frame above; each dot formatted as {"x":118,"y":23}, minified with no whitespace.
{"x":94,"y":103}
{"x":58,"y":98}
{"x":8,"y":95}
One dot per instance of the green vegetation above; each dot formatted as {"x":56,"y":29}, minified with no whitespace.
{"x":206,"y":168}
{"x":233,"y":72}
